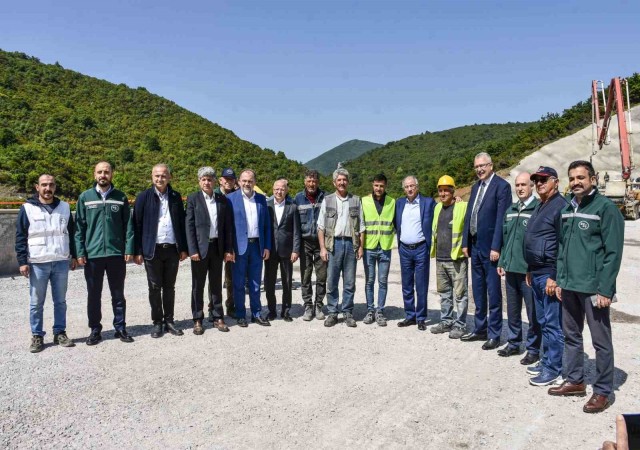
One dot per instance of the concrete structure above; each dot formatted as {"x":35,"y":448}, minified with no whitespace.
{"x":8,"y":261}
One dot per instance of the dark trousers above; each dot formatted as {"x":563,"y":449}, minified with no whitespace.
{"x":286,"y":274}
{"x":248,"y":266}
{"x":414,"y":271}
{"x":485,"y":280}
{"x":576,"y":306}
{"x":116,"y":270}
{"x":517,"y":291}
{"x":310,"y":259}
{"x":212,"y":266}
{"x":162,"y":271}
{"x":228,"y":282}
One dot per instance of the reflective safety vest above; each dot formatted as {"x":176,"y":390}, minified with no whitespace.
{"x":459,"y":210}
{"x":379,"y":227}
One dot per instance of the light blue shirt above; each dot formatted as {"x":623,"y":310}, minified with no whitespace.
{"x":412,"y":223}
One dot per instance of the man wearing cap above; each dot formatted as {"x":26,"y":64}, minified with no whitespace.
{"x":209,"y":239}
{"x":413,"y":221}
{"x":308,"y":202}
{"x":482,"y":241}
{"x":161,"y":243}
{"x":378,"y":210}
{"x":340,"y":226}
{"x":46,"y":250}
{"x":591,"y":232}
{"x":228,"y":183}
{"x":513,"y":267}
{"x":451,"y":265}
{"x":251,"y":244}
{"x":540,"y":253}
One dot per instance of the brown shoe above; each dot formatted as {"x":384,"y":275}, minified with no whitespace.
{"x":597,"y":403}
{"x":221,"y":326}
{"x":197,"y":327}
{"x":567,"y":389}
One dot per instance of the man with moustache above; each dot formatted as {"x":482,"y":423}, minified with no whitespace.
{"x":45,"y":249}
{"x":452,"y":273}
{"x":378,"y":210}
{"x":227,"y":184}
{"x":591,"y":232}
{"x":104,"y":243}
{"x":209,"y":232}
{"x":540,"y":252}
{"x":251,"y":244}
{"x":340,"y":225}
{"x":161,"y":243}
{"x":413,"y":220}
{"x":285,"y":226}
{"x":482,"y":241}
{"x":513,"y":267}
{"x":308,"y":202}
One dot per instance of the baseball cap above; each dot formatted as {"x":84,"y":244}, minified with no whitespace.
{"x":544,"y":171}
{"x":228,"y":173}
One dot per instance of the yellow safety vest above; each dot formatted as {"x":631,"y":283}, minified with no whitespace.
{"x":378,"y":227}
{"x":459,"y":211}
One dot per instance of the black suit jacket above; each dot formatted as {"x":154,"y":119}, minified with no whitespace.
{"x":199,"y":224}
{"x":285,"y":236}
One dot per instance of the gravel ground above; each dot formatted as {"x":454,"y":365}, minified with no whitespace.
{"x":291,"y":385}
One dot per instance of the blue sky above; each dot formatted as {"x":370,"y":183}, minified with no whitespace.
{"x":305,"y":76}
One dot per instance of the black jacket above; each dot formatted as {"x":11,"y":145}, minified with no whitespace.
{"x":285,"y":236}
{"x":145,"y":221}
{"x":199,"y":224}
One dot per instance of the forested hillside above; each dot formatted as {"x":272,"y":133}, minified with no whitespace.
{"x":327,"y":162}
{"x":430,"y":155}
{"x":59,"y":121}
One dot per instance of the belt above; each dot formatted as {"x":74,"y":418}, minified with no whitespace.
{"x":213,"y":239}
{"x":252,"y":240}
{"x":342,"y":238}
{"x":413,"y":246}
{"x":166,"y":245}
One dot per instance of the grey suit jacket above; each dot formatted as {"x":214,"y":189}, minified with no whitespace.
{"x":286,"y":236}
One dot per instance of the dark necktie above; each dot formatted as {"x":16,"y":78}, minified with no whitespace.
{"x":474,"y":214}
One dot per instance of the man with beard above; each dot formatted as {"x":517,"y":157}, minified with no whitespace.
{"x":252,"y":246}
{"x":45,"y":249}
{"x":308,"y":202}
{"x":104,"y":243}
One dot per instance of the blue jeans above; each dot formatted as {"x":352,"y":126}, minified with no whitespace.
{"x":414,"y":270}
{"x":247,"y":266}
{"x":549,"y":315}
{"x":39,"y":276}
{"x":383,"y":259}
{"x":517,"y":290}
{"x":341,"y":260}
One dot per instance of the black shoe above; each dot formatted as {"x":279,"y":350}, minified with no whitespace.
{"x":406,"y":323}
{"x":422,"y":325}
{"x":491,"y":344}
{"x":287,"y":318}
{"x":529,"y":359}
{"x":157,"y":330}
{"x":272,"y":316}
{"x":94,"y":338}
{"x":123,"y":336}
{"x":260,"y":321}
{"x":243,"y":323}
{"x":211,"y":318}
{"x":171,"y":328}
{"x":509,"y":350}
{"x":470,"y":337}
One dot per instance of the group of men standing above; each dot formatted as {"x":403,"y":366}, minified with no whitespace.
{"x":236,"y":231}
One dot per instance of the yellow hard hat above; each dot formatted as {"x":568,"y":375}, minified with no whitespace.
{"x":446,"y":180}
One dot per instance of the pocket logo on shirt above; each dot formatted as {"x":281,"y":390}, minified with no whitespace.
{"x":115,"y":208}
{"x":525,"y":222}
{"x":583,"y":225}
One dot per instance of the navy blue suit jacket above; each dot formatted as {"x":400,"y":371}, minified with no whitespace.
{"x":427,"y":205}
{"x":241,"y":239}
{"x":496,"y":201}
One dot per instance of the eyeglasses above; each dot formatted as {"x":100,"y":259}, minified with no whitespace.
{"x":410,"y":186}
{"x":482,"y":166}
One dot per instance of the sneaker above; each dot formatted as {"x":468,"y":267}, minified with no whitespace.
{"x":368,"y":319}
{"x":381,"y":320}
{"x":62,"y":340}
{"x":308,"y":314}
{"x":535,"y":369}
{"x":331,"y":320}
{"x":440,"y":328}
{"x":349,"y":320}
{"x":545,"y":378}
{"x":319,"y":313}
{"x":456,"y":333}
{"x":37,"y":344}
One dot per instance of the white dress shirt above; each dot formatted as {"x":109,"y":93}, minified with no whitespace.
{"x":213,"y":214}
{"x":165,"y":227}
{"x":279,"y":209}
{"x":251,"y":211}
